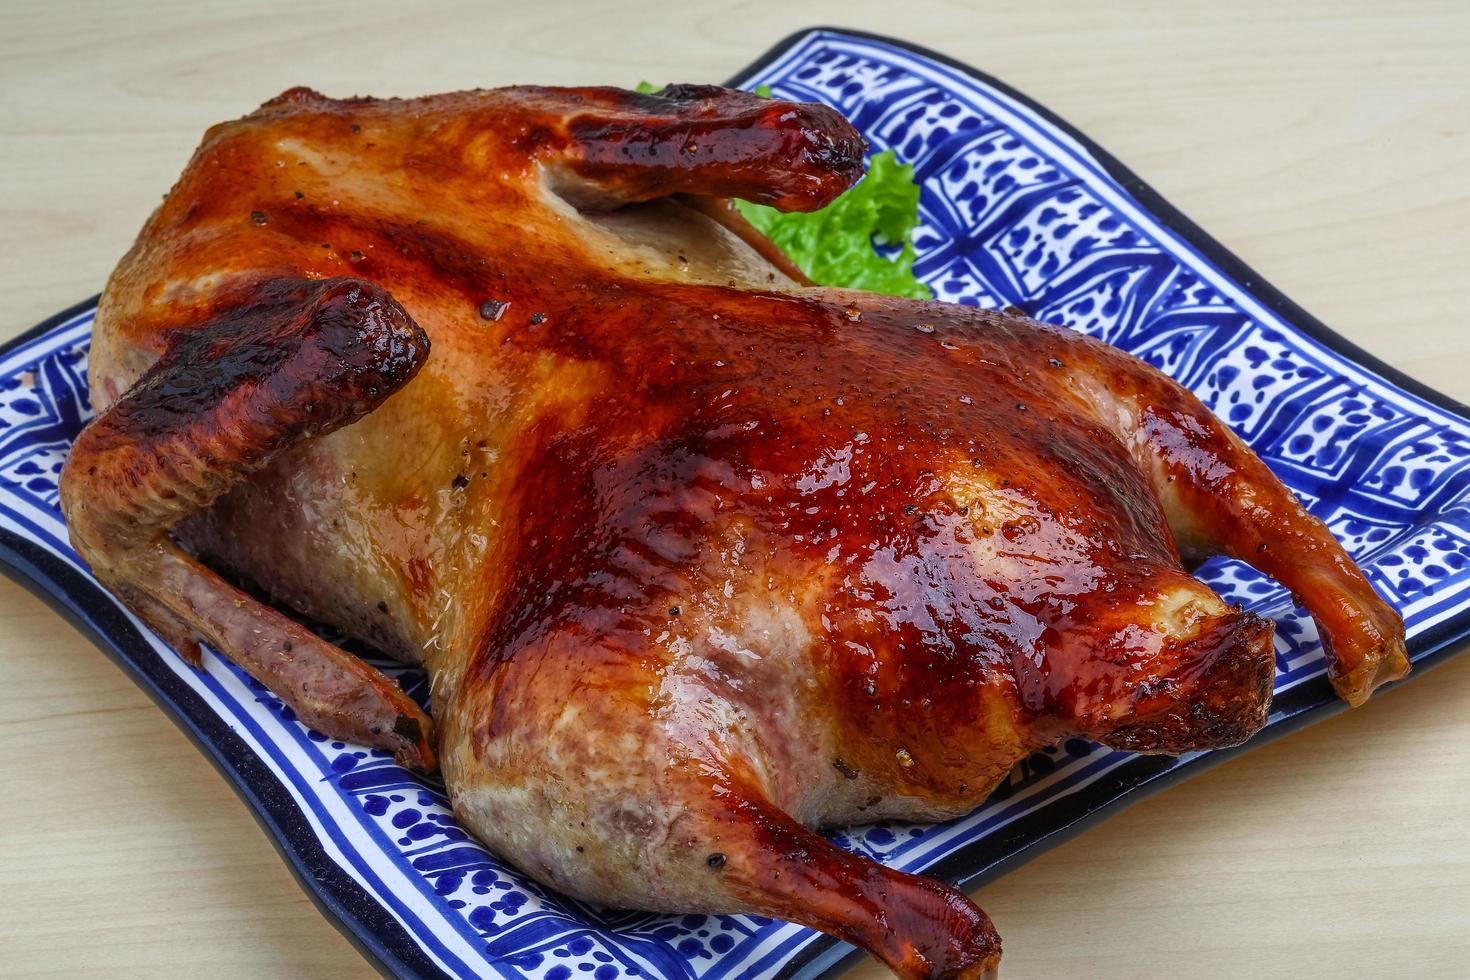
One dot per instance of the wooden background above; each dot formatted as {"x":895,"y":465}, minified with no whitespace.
{"x":1328,"y":144}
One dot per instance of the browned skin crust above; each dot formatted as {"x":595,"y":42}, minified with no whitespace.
{"x":698,"y":558}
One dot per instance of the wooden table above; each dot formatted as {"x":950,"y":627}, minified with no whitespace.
{"x":1329,"y":144}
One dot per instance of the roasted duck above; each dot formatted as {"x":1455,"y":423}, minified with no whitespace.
{"x":699,"y":559}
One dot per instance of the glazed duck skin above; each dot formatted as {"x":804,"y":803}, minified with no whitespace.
{"x":698,"y":559}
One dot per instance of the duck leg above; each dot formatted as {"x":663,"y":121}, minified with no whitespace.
{"x":1220,"y":499}
{"x":300,"y":358}
{"x":919,"y":927}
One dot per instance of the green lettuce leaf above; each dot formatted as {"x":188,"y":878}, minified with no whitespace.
{"x":836,"y":245}
{"x":862,"y":240}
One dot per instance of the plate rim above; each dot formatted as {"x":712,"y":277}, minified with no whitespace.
{"x":388,"y":947}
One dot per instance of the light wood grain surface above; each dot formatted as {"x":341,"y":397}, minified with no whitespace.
{"x":1329,"y":144}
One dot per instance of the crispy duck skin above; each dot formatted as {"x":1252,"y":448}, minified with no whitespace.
{"x":699,"y":558}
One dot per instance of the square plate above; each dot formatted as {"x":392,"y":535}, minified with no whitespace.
{"x":1017,"y":209}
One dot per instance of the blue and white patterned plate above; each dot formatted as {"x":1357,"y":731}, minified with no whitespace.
{"x":1017,"y":208}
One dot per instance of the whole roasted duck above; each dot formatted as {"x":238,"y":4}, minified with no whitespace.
{"x":698,"y":558}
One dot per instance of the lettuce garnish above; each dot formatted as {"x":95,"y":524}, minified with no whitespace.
{"x":839,"y":245}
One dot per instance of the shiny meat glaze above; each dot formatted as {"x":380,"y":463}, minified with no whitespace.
{"x":698,"y":559}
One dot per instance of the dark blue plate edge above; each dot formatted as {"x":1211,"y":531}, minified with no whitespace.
{"x":387,"y":946}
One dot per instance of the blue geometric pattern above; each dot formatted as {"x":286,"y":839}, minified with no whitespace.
{"x":1014,"y":212}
